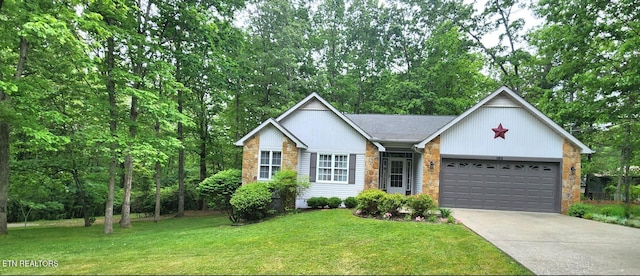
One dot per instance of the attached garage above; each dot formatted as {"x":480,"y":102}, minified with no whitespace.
{"x":500,"y":185}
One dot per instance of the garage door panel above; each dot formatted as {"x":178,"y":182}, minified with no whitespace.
{"x":500,"y":185}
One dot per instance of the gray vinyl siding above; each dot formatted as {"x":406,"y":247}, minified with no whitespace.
{"x":527,"y":136}
{"x":324,"y":132}
{"x":270,"y":139}
{"x":341,"y":190}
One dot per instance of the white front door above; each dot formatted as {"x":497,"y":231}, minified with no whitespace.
{"x":397,"y":177}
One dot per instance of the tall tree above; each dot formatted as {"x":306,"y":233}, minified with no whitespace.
{"x":593,"y":46}
{"x":509,"y":55}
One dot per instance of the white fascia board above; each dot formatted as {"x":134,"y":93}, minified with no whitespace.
{"x":330,"y":107}
{"x":282,"y":129}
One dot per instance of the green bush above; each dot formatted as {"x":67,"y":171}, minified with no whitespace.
{"x":251,"y":202}
{"x":614,"y":211}
{"x":288,"y":186}
{"x":420,"y":204}
{"x":368,"y":201}
{"x":317,"y":202}
{"x":334,"y":202}
{"x":391,"y":203}
{"x":579,"y":210}
{"x":610,"y":190}
{"x":350,"y":202}
{"x":218,"y":189}
{"x":634,"y":190}
{"x":445,"y":213}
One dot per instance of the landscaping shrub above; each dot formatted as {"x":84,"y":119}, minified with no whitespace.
{"x":252,"y":201}
{"x":218,"y":189}
{"x":350,"y":202}
{"x":317,"y":202}
{"x":368,"y":201}
{"x":334,"y":202}
{"x":288,"y":186}
{"x":391,"y":203}
{"x":614,"y":211}
{"x":445,"y":213}
{"x":420,"y":204}
{"x":579,"y":210}
{"x":610,"y":190}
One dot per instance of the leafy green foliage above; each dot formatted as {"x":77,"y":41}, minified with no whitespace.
{"x":420,"y":204}
{"x":445,"y":213}
{"x":317,"y":202}
{"x":391,"y":203}
{"x":369,"y":200}
{"x":350,"y":202}
{"x":252,"y":201}
{"x":334,"y":202}
{"x":219,"y":188}
{"x":286,"y":183}
{"x":579,"y":210}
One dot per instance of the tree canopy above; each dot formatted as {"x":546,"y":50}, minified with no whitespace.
{"x":124,"y":106}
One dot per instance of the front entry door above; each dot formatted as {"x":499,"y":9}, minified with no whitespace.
{"x":397,"y":178}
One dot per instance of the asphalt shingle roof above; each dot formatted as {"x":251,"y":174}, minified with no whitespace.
{"x":409,"y":128}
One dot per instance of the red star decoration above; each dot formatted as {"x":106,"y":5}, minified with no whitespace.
{"x":499,"y":131}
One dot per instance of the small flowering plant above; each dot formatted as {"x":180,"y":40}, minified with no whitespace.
{"x":387,"y":215}
{"x":419,"y":218}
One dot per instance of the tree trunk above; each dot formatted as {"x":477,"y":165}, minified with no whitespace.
{"x":627,"y":163}
{"x":83,"y":197}
{"x":158,"y":178}
{"x":156,"y":212}
{"x":617,"y":197}
{"x":5,"y":128}
{"x":237,"y":162}
{"x":113,"y":127}
{"x":204,"y":137}
{"x":4,"y":174}
{"x":180,"y":160}
{"x":125,"y":222}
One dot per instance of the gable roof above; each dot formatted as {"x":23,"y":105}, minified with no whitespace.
{"x":399,"y":128}
{"x":519,"y":100}
{"x":315,"y":96}
{"x":271,"y":121}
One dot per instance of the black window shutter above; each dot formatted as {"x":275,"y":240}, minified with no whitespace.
{"x":312,"y":167}
{"x":352,"y":169}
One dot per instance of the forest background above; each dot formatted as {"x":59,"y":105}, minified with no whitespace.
{"x":121,"y":106}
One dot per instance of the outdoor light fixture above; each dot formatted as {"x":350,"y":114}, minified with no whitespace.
{"x":573,"y":170}
{"x":431,"y":165}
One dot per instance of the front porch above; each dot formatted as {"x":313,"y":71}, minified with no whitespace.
{"x":396,"y":170}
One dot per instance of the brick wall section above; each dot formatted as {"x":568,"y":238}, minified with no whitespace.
{"x":371,"y":166}
{"x":289,"y":154}
{"x":250,"y":155}
{"x":431,"y":177}
{"x":570,"y":182}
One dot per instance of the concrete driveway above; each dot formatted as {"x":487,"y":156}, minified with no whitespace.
{"x":557,"y":244}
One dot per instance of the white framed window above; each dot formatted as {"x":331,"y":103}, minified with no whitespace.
{"x":333,"y":167}
{"x":270,"y":163}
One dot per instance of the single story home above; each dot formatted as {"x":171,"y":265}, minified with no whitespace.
{"x":501,"y":154}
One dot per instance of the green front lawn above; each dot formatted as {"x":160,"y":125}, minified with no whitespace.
{"x":317,"y":242}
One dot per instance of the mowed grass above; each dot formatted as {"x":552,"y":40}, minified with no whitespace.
{"x":317,"y":242}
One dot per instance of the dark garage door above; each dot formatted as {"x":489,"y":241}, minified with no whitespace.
{"x":500,"y":185}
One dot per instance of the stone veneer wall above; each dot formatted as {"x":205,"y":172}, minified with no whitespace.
{"x":289,"y":154}
{"x":371,"y":166}
{"x":250,"y":155}
{"x":570,"y":181}
{"x":431,"y":177}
